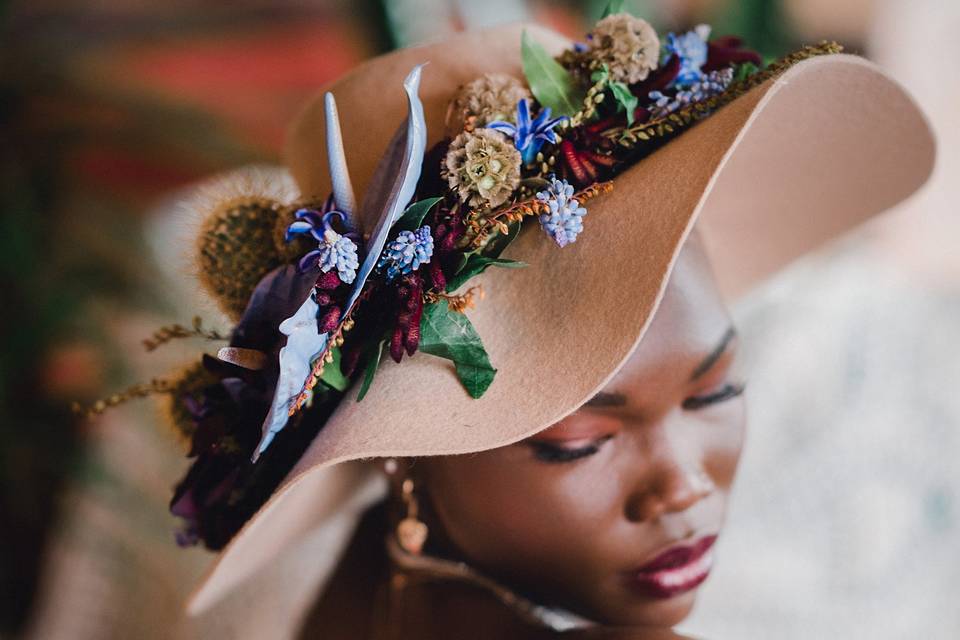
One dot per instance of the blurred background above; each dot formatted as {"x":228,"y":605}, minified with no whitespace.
{"x":846,"y":519}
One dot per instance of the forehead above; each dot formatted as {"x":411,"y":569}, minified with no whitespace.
{"x":689,"y":323}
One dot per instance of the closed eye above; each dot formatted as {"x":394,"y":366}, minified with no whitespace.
{"x":722,"y":394}
{"x":554,"y":453}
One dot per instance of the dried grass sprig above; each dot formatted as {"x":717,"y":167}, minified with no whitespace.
{"x":140,"y":390}
{"x":634,"y":138}
{"x":458,"y":303}
{"x":336,"y":340}
{"x":480,"y":226}
{"x":172,"y":332}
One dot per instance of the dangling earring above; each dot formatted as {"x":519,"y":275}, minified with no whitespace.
{"x":411,"y":532}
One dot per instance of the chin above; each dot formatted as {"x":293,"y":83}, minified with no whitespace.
{"x":671,"y":611}
{"x":659,"y":613}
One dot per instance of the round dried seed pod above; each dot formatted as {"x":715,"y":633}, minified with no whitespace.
{"x":188,"y":381}
{"x":236,"y":248}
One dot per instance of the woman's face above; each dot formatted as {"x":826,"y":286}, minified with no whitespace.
{"x":611,"y":512}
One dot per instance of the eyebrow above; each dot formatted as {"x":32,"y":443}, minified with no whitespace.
{"x":714,"y":355}
{"x":607,"y":399}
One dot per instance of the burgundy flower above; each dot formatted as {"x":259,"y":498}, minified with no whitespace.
{"x":722,"y":52}
{"x":659,"y":79}
{"x":406,"y":332}
{"x":330,"y":297}
{"x":583,"y":165}
{"x":448,"y":228}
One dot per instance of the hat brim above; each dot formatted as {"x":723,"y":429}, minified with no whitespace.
{"x":800,"y":159}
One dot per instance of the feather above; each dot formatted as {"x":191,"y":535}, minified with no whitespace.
{"x":304,"y":343}
{"x":394,"y":181}
{"x":343,"y":196}
{"x":392,"y":187}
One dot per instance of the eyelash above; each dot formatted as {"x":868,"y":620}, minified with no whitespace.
{"x":553,"y":454}
{"x":726,"y":392}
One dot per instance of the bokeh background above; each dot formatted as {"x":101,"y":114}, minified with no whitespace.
{"x":846,"y":520}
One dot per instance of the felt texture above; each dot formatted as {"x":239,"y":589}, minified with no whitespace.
{"x":784,"y":167}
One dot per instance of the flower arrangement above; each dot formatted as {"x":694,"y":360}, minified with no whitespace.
{"x":514,"y":151}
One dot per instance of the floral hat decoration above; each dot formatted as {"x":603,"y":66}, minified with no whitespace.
{"x":512,"y":241}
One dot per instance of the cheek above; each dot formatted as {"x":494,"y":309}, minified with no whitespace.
{"x":723,"y":441}
{"x":503,"y":510}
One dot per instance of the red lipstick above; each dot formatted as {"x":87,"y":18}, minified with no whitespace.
{"x":677,"y":570}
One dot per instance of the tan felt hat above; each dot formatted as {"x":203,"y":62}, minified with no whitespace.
{"x":797,"y":160}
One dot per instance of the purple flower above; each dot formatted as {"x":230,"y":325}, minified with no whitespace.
{"x":405,"y":254}
{"x":691,"y":49}
{"x":334,"y":250}
{"x":564,"y":220}
{"x":529,"y":135}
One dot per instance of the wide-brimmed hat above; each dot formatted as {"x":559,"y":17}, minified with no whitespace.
{"x":802,"y":157}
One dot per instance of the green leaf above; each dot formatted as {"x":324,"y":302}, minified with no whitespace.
{"x":332,"y":375}
{"x":376,"y":352}
{"x":615,"y":6}
{"x":501,"y":241}
{"x":625,"y":99}
{"x":551,"y":84}
{"x":413,"y":217}
{"x":449,"y":334}
{"x":601,"y":75}
{"x":477,"y":264}
{"x":744,"y":71}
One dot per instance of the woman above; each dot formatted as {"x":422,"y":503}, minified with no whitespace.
{"x":611,"y":513}
{"x":598,"y":410}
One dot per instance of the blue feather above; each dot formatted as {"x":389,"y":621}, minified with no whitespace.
{"x":391,"y":189}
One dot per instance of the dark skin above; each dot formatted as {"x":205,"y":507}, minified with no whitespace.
{"x":567,"y":516}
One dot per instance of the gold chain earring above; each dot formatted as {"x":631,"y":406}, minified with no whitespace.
{"x":411,"y":532}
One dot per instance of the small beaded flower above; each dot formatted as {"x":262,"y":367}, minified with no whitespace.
{"x":691,"y":49}
{"x":564,"y":222}
{"x":405,"y":254}
{"x":711,"y":84}
{"x":483,"y":167}
{"x":335,"y":250}
{"x":628,"y":45}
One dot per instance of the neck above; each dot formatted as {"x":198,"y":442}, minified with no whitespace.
{"x":426,"y":568}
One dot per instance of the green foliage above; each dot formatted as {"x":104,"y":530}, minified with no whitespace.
{"x":477,"y":264}
{"x":744,"y":71}
{"x":625,"y":98}
{"x":332,"y":375}
{"x":373,"y":361}
{"x":615,"y":6}
{"x":551,"y":84}
{"x":413,"y":217}
{"x":499,"y":242}
{"x":449,"y":334}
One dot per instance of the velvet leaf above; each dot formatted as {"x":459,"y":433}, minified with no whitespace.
{"x":449,"y":334}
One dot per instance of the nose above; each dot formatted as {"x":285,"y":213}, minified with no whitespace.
{"x":669,"y":488}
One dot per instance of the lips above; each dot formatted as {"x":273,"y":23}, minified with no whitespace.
{"x":677,"y":570}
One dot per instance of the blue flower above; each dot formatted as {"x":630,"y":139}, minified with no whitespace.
{"x":691,"y":48}
{"x":405,"y":254}
{"x":529,"y":136}
{"x":334,"y":250}
{"x":711,"y":84}
{"x":564,"y":221}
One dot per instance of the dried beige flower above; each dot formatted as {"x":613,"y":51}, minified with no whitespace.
{"x":483,"y":167}
{"x":491,"y":97}
{"x":628,"y":45}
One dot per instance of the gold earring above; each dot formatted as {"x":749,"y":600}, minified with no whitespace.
{"x":411,"y":532}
